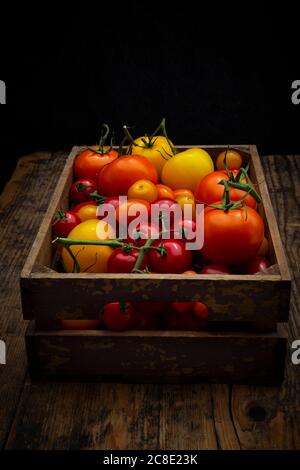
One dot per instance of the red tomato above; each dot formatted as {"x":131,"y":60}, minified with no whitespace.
{"x":256,"y":265}
{"x":173,"y":258}
{"x":80,"y":190}
{"x":131,"y":209}
{"x":117,"y":316}
{"x":149,"y":307}
{"x":200,"y":310}
{"x":113,"y":201}
{"x":231,"y":237}
{"x":209,"y":190}
{"x":89,"y":163}
{"x":184,"y":321}
{"x":167,"y":208}
{"x":121,"y":261}
{"x":139,"y":236}
{"x":182,"y":306}
{"x":215,"y":269}
{"x":63,"y":223}
{"x":117,"y":177}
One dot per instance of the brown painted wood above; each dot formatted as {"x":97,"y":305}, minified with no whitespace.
{"x":106,"y":416}
{"x":82,"y":295}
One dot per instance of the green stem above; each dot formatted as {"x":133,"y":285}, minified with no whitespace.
{"x":142,"y":254}
{"x":244,"y":187}
{"x":164,"y":131}
{"x":69,"y":241}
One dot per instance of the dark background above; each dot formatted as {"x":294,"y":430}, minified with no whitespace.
{"x":219,"y":74}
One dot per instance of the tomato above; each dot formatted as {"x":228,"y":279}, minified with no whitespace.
{"x":231,"y":237}
{"x":80,"y":324}
{"x":173,"y":258}
{"x":200,"y":310}
{"x":256,"y":265}
{"x":164,"y":192}
{"x":88,"y":163}
{"x":167,"y":209}
{"x":190,"y":272}
{"x":183,"y":192}
{"x":86,"y":210}
{"x":233,"y":160}
{"x":209,"y":190}
{"x":123,"y":261}
{"x":149,"y":308}
{"x":138,"y":236}
{"x":186,"y":169}
{"x":117,"y":177}
{"x":215,"y":269}
{"x":131,"y":209}
{"x":80,"y":190}
{"x":156,"y":149}
{"x":91,"y":258}
{"x":143,"y":189}
{"x":185,"y":320}
{"x":63,"y":223}
{"x":187,"y":204}
{"x":117,"y":316}
{"x":182,"y":306}
{"x":264,"y":248}
{"x":187,"y":230}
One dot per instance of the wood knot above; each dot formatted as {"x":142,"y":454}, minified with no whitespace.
{"x":260,"y":410}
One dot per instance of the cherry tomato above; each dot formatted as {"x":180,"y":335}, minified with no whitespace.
{"x":256,"y":265}
{"x":209,"y":190}
{"x":89,"y":162}
{"x":80,"y":324}
{"x":264,"y":248}
{"x":117,"y":316}
{"x":200,"y":310}
{"x":231,"y":237}
{"x":123,"y":261}
{"x":63,"y":223}
{"x":165,"y":192}
{"x":186,"y":228}
{"x":131,"y":209}
{"x":86,"y":210}
{"x":183,"y":192}
{"x":233,"y":160}
{"x":143,"y":189}
{"x":172,"y":258}
{"x":80,"y":190}
{"x":215,"y":269}
{"x":188,"y":201}
{"x":112,"y":201}
{"x":138,"y":236}
{"x":117,"y":177}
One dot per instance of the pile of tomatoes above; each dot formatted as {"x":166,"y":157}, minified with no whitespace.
{"x":151,"y":172}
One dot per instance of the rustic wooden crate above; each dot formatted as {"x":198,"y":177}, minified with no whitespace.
{"x":260,"y":301}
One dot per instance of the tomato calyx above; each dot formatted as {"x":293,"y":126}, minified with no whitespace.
{"x":102,"y":149}
{"x":59,"y":216}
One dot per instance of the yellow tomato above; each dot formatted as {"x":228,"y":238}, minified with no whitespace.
{"x":187,"y":200}
{"x":91,"y":258}
{"x":233,"y":160}
{"x":186,"y":169}
{"x":143,"y":189}
{"x":87,"y":212}
{"x":157,"y":150}
{"x":80,"y":324}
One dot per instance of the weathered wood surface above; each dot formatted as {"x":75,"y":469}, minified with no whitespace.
{"x":120,"y":416}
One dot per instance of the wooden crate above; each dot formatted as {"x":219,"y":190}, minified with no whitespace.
{"x":252,"y":310}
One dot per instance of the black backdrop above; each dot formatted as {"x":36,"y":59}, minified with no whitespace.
{"x":218,"y":74}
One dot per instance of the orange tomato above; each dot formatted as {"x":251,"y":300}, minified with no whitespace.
{"x":80,"y":324}
{"x":165,"y":192}
{"x":132,"y":208}
{"x":233,"y":160}
{"x":143,"y":189}
{"x":183,"y":192}
{"x":190,"y":272}
{"x":187,"y":200}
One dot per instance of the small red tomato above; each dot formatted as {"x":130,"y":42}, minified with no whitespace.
{"x":215,"y":269}
{"x":200,"y":310}
{"x":112,"y":201}
{"x":138,"y":236}
{"x":172,"y":257}
{"x":256,"y":265}
{"x":80,"y":190}
{"x":117,"y":316}
{"x":63,"y":223}
{"x":123,"y":261}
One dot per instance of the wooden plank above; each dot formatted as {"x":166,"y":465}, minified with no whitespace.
{"x":157,"y":356}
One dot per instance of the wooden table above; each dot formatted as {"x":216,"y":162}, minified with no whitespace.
{"x":115,"y":416}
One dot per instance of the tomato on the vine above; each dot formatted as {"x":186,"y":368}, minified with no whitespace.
{"x":81,"y":190}
{"x":233,"y":236}
{"x":89,"y":162}
{"x":123,"y":260}
{"x":170,"y":256}
{"x":117,"y":316}
{"x":117,"y":177}
{"x":139,"y":235}
{"x":64,"y":222}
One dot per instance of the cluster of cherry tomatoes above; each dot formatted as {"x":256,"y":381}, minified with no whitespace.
{"x":152,"y":172}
